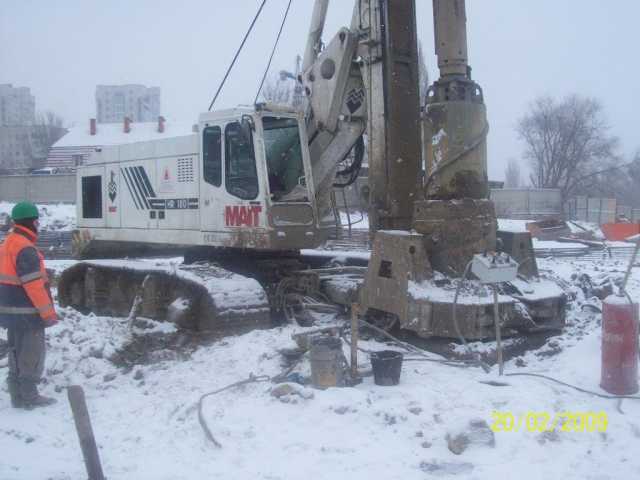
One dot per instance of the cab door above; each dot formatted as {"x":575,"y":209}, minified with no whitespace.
{"x":211,"y":179}
{"x":231,"y":193}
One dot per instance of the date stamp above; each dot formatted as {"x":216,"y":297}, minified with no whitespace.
{"x":550,"y":422}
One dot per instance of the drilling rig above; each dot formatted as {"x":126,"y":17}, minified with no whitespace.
{"x":252,"y":186}
{"x":416,"y":259}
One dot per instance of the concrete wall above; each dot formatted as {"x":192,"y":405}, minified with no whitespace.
{"x":38,"y":188}
{"x":520,"y":203}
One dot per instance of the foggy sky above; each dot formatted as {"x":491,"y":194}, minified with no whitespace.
{"x":518,"y":49}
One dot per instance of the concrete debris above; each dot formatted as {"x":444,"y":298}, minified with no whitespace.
{"x":446,"y":468}
{"x":344,"y":409}
{"x":551,"y":436}
{"x":284,"y":392}
{"x":477,"y":433}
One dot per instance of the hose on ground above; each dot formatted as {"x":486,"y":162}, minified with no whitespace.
{"x":579,"y":389}
{"x":415,"y":350}
{"x":203,"y":423}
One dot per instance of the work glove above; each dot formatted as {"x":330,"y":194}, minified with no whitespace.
{"x":50,"y":319}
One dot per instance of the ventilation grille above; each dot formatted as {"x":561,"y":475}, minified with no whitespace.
{"x":185,"y":170}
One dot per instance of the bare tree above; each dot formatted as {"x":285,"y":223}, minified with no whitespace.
{"x":277,"y":90}
{"x":565,"y":141}
{"x":512,"y":174}
{"x":423,"y":75}
{"x":619,"y":181}
{"x":50,"y":128}
{"x":36,"y":142}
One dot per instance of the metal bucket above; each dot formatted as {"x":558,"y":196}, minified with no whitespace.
{"x":386,"y":366}
{"x":327,"y":362}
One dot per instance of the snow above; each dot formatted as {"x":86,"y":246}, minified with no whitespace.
{"x":618,"y":300}
{"x":228,"y":290}
{"x":553,"y":245}
{"x":399,"y":233}
{"x":472,"y":293}
{"x":53,"y":217}
{"x":436,"y":141}
{"x":587,"y":227}
{"x":537,"y":289}
{"x":508,"y":225}
{"x":359,"y":220}
{"x":113,"y":134}
{"x":339,"y":255}
{"x":145,"y":418}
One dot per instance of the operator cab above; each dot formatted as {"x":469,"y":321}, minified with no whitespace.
{"x":256,"y":179}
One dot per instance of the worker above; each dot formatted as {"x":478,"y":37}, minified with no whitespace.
{"x":26,"y":307}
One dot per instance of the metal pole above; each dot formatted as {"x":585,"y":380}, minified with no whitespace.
{"x":85,"y":432}
{"x":314,"y":38}
{"x":346,"y":208}
{"x":354,"y":340}
{"x":496,"y":320}
{"x":630,"y":266}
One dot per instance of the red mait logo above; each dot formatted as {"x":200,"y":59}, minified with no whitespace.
{"x":241,"y":216}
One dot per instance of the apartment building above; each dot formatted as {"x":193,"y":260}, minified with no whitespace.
{"x":137,"y":102}
{"x":17,"y":106}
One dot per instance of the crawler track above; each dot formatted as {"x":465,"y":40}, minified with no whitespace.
{"x":202,"y":296}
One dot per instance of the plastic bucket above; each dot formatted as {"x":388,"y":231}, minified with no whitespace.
{"x":387,"y":366}
{"x":327,"y":362}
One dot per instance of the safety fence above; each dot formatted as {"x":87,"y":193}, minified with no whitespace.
{"x":599,"y":210}
{"x":53,"y":244}
{"x":589,"y":254}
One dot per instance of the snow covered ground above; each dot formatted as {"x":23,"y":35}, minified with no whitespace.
{"x":553,"y":245}
{"x":58,"y":217}
{"x":146,"y":424}
{"x":145,"y":418}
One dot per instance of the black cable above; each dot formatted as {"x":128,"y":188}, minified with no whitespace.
{"x":474,"y":355}
{"x":215,"y":97}
{"x":273,"y":51}
{"x":601,"y":395}
{"x":353,"y":170}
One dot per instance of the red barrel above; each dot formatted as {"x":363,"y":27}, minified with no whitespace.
{"x":619,"y":346}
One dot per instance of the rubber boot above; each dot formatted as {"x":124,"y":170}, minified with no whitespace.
{"x":37,"y":401}
{"x":30,"y":398}
{"x":14,"y":392}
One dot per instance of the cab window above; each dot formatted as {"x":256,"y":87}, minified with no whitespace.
{"x":241,"y":178}
{"x":284,"y":159}
{"x":212,"y":155}
{"x":92,"y":197}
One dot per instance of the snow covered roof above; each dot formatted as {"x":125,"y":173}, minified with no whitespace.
{"x":516,"y":226}
{"x":113,"y":134}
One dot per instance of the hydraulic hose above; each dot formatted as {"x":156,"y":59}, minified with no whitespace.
{"x":473,"y":355}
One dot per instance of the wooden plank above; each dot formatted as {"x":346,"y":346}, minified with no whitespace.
{"x":85,"y":432}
